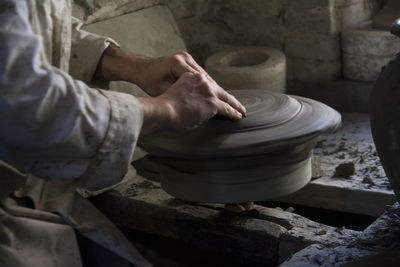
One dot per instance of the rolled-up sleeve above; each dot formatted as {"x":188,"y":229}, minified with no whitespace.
{"x":86,"y":51}
{"x":52,"y":125}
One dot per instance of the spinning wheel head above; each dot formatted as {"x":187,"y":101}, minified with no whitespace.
{"x":265,"y":155}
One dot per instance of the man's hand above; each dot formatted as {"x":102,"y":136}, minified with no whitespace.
{"x":153,"y":75}
{"x":159,"y":74}
{"x":184,"y":94}
{"x":190,"y":101}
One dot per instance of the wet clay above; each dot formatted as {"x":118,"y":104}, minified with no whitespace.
{"x":265,"y":155}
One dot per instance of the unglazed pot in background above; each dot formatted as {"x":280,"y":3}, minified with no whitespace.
{"x":249,"y":67}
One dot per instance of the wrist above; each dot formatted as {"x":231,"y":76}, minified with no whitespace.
{"x":158,"y":114}
{"x":120,"y":65}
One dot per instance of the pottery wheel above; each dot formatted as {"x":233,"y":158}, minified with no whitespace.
{"x":265,"y":155}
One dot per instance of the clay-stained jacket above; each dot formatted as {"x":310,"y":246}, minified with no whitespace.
{"x":55,"y":127}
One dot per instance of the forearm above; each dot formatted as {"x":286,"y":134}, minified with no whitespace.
{"x":157,"y":115}
{"x":58,"y":127}
{"x":119,"y":65}
{"x":86,"y":51}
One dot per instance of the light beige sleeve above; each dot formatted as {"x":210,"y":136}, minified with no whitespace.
{"x":86,"y":51}
{"x":56,"y":127}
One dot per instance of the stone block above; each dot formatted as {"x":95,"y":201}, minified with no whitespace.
{"x":364,"y":40}
{"x":219,"y":24}
{"x":257,"y":238}
{"x":313,"y":46}
{"x":313,"y":70}
{"x":142,"y":205}
{"x":363,"y":67}
{"x":319,"y":255}
{"x":341,"y":94}
{"x":254,"y":8}
{"x":93,"y":11}
{"x":366,"y":51}
{"x":309,"y":16}
{"x":352,"y":12}
{"x":150,"y":32}
{"x":245,"y":22}
{"x":182,"y":9}
{"x":375,"y":246}
{"x":307,"y":4}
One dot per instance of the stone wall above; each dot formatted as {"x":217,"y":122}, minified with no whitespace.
{"x":307,"y":31}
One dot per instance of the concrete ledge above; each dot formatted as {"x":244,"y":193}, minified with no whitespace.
{"x":365,"y":192}
{"x":263,"y":235}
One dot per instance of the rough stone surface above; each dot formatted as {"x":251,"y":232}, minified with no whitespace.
{"x":342,"y":94}
{"x":318,"y":255}
{"x":312,"y":70}
{"x":385,"y":231}
{"x":378,"y":245}
{"x":209,"y":26}
{"x":312,"y":16}
{"x":150,"y":32}
{"x":366,"y":51}
{"x":388,"y":258}
{"x":352,"y":12}
{"x":352,"y":143}
{"x":344,"y":170}
{"x":317,"y":171}
{"x":142,"y":205}
{"x":219,"y":24}
{"x":364,"y":40}
{"x":91,"y":11}
{"x":307,"y":232}
{"x":262,"y":235}
{"x":364,"y":68}
{"x":313,"y":46}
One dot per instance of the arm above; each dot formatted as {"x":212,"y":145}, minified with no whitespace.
{"x":185,"y":94}
{"x":189,"y":102}
{"x":86,"y":51}
{"x":153,"y":75}
{"x":53,"y":126}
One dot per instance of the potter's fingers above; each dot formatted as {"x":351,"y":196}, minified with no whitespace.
{"x":190,"y":61}
{"x":197,"y":67}
{"x":228,"y":111}
{"x":180,"y":69}
{"x":231,"y":100}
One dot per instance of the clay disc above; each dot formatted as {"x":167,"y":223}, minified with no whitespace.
{"x":273,"y":121}
{"x":265,"y":155}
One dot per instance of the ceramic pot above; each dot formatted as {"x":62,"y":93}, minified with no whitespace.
{"x":249,"y":67}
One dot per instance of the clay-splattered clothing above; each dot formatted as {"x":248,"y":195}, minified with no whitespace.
{"x":55,"y":127}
